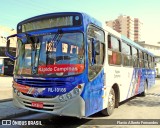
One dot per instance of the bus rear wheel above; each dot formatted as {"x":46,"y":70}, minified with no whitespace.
{"x":111,"y":104}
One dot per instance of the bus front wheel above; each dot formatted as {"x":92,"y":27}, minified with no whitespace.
{"x":111,"y":104}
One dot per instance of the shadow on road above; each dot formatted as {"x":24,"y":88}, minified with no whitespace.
{"x":63,"y":122}
{"x":151,"y":100}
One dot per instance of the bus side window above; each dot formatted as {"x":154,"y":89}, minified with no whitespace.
{"x":149,"y":61}
{"x":135,"y":57}
{"x":114,"y":54}
{"x":146,"y":60}
{"x":153,"y":62}
{"x":126,"y":54}
{"x":143,"y":61}
{"x":109,"y":42}
{"x":141,"y":64}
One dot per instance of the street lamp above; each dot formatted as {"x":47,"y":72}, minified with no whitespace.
{"x":2,"y":37}
{"x":3,"y":41}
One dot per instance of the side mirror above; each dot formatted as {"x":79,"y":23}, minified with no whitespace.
{"x":23,"y":38}
{"x":95,"y":50}
{"x":8,"y":45}
{"x":7,"y":50}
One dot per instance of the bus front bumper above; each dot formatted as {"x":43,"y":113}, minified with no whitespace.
{"x":73,"y":107}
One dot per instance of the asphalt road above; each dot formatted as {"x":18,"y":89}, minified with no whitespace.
{"x":135,"y":108}
{"x":140,"y":108}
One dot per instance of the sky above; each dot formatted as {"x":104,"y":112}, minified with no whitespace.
{"x":148,"y":12}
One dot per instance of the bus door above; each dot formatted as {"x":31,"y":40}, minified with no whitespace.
{"x":96,"y":53}
{"x":96,"y":80}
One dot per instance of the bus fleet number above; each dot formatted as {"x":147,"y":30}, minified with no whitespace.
{"x":57,"y":89}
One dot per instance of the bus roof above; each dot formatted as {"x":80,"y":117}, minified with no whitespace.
{"x":57,"y":14}
{"x":91,"y":19}
{"x":136,"y":45}
{"x":46,"y":16}
{"x":86,"y":18}
{"x":124,"y":38}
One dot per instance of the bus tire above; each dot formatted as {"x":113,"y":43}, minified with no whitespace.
{"x":111,"y":104}
{"x":144,"y":93}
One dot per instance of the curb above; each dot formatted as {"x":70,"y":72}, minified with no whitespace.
{"x":1,"y":75}
{"x":6,"y":100}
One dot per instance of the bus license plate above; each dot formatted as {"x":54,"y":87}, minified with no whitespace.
{"x":37,"y":104}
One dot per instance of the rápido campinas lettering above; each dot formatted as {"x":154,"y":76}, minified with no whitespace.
{"x":58,"y":69}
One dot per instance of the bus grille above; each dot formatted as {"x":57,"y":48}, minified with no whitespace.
{"x":39,"y":96}
{"x":45,"y":107}
{"x":42,"y":83}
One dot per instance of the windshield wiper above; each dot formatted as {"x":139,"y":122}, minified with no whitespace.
{"x":56,"y":39}
{"x":34,"y":44}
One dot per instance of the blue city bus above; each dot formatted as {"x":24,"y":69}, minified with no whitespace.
{"x":68,"y":64}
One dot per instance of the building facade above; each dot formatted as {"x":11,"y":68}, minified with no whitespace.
{"x":4,"y":33}
{"x":128,"y":26}
{"x":155,"y":49}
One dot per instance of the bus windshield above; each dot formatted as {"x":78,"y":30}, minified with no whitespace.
{"x":52,"y":54}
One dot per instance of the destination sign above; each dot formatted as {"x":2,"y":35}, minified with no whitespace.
{"x":52,"y":22}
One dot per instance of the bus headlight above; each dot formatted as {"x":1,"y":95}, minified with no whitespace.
{"x":76,"y":91}
{"x":18,"y":93}
{"x":61,"y":98}
{"x":69,"y":95}
{"x":72,"y":94}
{"x":15,"y":90}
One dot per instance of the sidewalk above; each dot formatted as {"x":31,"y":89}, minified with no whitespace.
{"x":8,"y":110}
{"x":6,"y":87}
{"x":5,"y":93}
